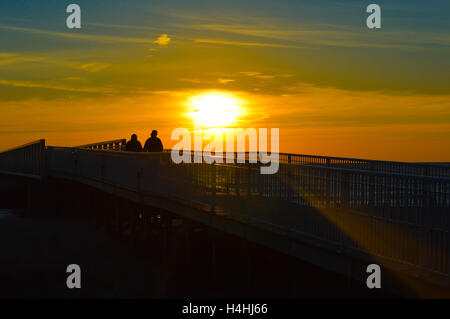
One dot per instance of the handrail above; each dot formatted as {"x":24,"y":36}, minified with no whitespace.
{"x":23,"y":146}
{"x":245,"y":165}
{"x":421,"y":169}
{"x":27,"y":160}
{"x":291,"y":158}
{"x":444,"y":164}
{"x":117,"y":145}
{"x":404,"y":168}
{"x":351,"y":207}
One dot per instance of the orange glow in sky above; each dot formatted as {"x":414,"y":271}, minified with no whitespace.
{"x":331,"y":86}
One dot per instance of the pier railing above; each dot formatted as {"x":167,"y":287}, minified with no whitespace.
{"x":399,"y":217}
{"x":27,"y":160}
{"x":395,"y":211}
{"x":438,"y":170}
{"x":114,"y":145}
{"x":419,"y":169}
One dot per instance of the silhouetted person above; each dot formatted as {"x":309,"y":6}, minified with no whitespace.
{"x":134,"y":145}
{"x":153,"y":144}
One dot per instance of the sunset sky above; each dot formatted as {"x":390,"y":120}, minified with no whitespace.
{"x":310,"y":68}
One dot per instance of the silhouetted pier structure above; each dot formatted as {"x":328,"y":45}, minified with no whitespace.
{"x":338,"y":213}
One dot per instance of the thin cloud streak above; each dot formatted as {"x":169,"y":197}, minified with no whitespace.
{"x":242,"y":43}
{"x":79,"y":36}
{"x":51,"y":86}
{"x":12,"y":58}
{"x":331,"y":36}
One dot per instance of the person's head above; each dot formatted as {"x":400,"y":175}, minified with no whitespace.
{"x":154,"y":133}
{"x":134,"y":137}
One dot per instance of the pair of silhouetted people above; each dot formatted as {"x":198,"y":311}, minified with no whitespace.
{"x":153,"y":144}
{"x":134,"y":145}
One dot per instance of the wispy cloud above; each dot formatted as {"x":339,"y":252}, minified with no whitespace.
{"x":92,"y":67}
{"x":16,"y":58}
{"x":79,"y":36}
{"x":244,"y":43}
{"x":163,"y":40}
{"x":54,"y":86}
{"x":343,"y":108}
{"x":260,"y":75}
{"x":250,"y":73}
{"x":326,"y":35}
{"x":122,"y":26}
{"x":225,"y":81}
{"x":12,"y":58}
{"x":196,"y":81}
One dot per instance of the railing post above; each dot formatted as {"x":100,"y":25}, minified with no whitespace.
{"x":289,"y":179}
{"x":249,"y":180}
{"x":249,"y":192}
{"x":213,"y":195}
{"x":227,"y":170}
{"x":425,"y":217}
{"x":29,"y":192}
{"x":42,"y":160}
{"x":237,"y":180}
{"x":327,"y":187}
{"x":343,"y":210}
{"x":371,"y":200}
{"x":75,"y":163}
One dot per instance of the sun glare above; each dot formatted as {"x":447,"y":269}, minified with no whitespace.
{"x":215,"y":109}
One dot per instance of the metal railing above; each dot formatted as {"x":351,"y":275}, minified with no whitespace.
{"x":402,"y":217}
{"x":435,"y":170}
{"x":388,"y":209}
{"x":27,"y":160}
{"x":115,"y":145}
{"x":420,"y":169}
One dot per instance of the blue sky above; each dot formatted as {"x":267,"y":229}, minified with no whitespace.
{"x":408,"y":53}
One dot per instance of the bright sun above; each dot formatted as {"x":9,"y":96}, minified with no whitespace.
{"x":215,"y":109}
